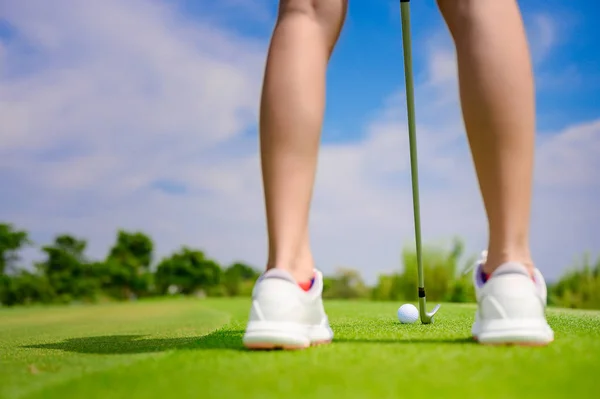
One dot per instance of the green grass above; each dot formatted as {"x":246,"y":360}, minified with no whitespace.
{"x":192,"y":349}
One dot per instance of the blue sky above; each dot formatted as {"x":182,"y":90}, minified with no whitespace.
{"x":142,"y":115}
{"x":368,"y":58}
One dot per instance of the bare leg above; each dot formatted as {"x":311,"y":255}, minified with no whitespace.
{"x":497,"y":96}
{"x":291,"y":116}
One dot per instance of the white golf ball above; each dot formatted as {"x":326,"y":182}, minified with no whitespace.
{"x":408,"y":313}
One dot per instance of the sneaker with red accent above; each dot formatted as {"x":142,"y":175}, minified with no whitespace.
{"x":284,"y":315}
{"x":511,"y":306}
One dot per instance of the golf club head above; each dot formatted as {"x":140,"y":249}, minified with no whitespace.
{"x":427,"y":317}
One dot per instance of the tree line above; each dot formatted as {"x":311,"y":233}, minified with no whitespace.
{"x":67,"y":275}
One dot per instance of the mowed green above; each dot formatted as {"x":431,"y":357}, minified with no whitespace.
{"x":192,"y":348}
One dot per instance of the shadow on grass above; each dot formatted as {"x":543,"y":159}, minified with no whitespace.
{"x":220,"y":340}
{"x":131,"y":344}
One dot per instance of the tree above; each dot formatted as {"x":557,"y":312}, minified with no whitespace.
{"x":27,"y":288}
{"x":388,"y":288}
{"x":239,"y":278}
{"x":11,"y":241}
{"x":125,"y":272}
{"x":439,"y":267}
{"x":67,"y":270}
{"x":188,"y":271}
{"x":133,"y":246}
{"x":443,"y":282}
{"x":346,"y":284}
{"x":579,"y":287}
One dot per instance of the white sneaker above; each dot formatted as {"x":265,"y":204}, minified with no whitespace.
{"x":511,"y":306}
{"x":285,"y":316}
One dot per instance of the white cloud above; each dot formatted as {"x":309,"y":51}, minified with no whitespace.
{"x":571,"y":159}
{"x":442,"y":66}
{"x":122,"y":94}
{"x":542,"y":35}
{"x":138,"y":72}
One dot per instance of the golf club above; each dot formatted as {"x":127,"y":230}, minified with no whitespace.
{"x":426,"y":317}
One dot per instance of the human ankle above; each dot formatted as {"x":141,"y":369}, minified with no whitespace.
{"x":497,"y":258}
{"x":301,"y":272}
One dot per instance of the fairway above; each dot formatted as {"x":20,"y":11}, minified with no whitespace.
{"x":190,"y":348}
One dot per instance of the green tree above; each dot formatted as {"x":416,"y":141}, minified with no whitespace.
{"x":189,"y":271}
{"x":126,"y":271}
{"x":11,"y":241}
{"x":68,"y":272}
{"x":439,"y":266}
{"x":461,"y":290}
{"x":239,"y":278}
{"x":346,"y":284}
{"x":137,"y":246}
{"x":579,"y":287}
{"x":27,"y":288}
{"x":388,"y":288}
{"x":442,"y":282}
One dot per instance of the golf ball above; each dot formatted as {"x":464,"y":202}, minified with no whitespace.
{"x":408,"y":313}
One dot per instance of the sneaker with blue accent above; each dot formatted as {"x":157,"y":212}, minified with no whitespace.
{"x":286,"y":316}
{"x":511,"y":306}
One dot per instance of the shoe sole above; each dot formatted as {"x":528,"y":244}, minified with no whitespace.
{"x":261,"y":335}
{"x":515,"y":333}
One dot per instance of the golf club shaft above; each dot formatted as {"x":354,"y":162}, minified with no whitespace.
{"x":410,"y":106}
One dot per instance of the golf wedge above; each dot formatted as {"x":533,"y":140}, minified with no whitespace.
{"x":426,"y":317}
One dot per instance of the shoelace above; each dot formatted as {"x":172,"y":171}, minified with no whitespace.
{"x":482,"y":259}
